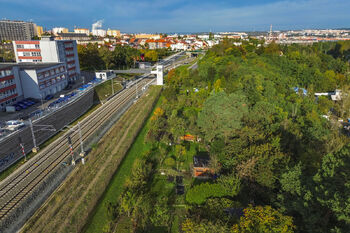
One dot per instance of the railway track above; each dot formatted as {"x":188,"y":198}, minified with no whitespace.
{"x":15,"y":188}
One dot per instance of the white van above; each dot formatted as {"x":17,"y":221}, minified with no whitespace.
{"x":14,"y":125}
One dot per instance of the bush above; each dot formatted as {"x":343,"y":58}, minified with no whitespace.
{"x":199,"y":194}
{"x":169,"y":162}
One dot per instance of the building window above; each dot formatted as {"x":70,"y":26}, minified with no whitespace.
{"x":36,"y":54}
{"x":20,"y":46}
{"x":52,"y":72}
{"x":37,"y":46}
{"x":26,"y":54}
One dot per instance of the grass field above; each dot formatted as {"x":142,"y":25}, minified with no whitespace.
{"x":100,"y":219}
{"x":69,"y":208}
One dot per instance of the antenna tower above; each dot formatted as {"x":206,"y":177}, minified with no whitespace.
{"x":270,"y":33}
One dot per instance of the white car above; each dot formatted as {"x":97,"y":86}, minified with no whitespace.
{"x":14,"y":125}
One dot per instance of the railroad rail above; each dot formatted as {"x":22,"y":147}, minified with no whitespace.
{"x":15,"y":188}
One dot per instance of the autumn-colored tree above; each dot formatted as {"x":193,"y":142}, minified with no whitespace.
{"x":263,"y":219}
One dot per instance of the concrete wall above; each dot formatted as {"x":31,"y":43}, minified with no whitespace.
{"x":9,"y":147}
{"x":49,"y":51}
{"x":29,"y":82}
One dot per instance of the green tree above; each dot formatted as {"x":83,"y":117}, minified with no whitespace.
{"x":221,"y":115}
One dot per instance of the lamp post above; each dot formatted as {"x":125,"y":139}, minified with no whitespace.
{"x":42,"y":102}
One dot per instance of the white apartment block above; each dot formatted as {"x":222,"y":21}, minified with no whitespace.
{"x":82,"y":30}
{"x":99,"y":32}
{"x":49,"y":50}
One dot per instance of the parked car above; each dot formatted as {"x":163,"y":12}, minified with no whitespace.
{"x":18,"y":107}
{"x":14,"y":125}
{"x":37,"y":112}
{"x":27,"y":103}
{"x":48,"y":97}
{"x":22,"y":105}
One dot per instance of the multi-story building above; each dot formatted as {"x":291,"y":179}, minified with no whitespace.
{"x":115,"y":33}
{"x":30,"y":80}
{"x":72,"y":36}
{"x":39,"y":30}
{"x":17,"y":30}
{"x":59,"y":30}
{"x":82,"y":30}
{"x":9,"y":84}
{"x":99,"y":32}
{"x":40,"y":80}
{"x":50,"y":50}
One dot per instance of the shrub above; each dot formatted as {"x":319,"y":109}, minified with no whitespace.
{"x":199,"y":194}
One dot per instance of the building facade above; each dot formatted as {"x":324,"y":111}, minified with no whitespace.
{"x":30,"y":80}
{"x":9,"y":85}
{"x":40,"y":80}
{"x":17,"y":30}
{"x":49,"y":50}
{"x":72,"y":36}
{"x":59,"y":30}
{"x":99,"y":32}
{"x":39,"y":30}
{"x":114,"y":33}
{"x":82,"y":30}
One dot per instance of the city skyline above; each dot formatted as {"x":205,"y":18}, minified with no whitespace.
{"x":182,"y":16}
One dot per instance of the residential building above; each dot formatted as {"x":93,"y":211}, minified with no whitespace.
{"x":17,"y":30}
{"x":9,"y":84}
{"x":55,"y":31}
{"x":49,"y":50}
{"x":30,"y":80}
{"x":39,"y":30}
{"x":82,"y":31}
{"x":115,"y":33}
{"x":147,"y":36}
{"x":99,"y":32}
{"x":40,"y":80}
{"x":72,"y":36}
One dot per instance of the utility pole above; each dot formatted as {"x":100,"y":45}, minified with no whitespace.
{"x":45,"y":128}
{"x":35,"y":148}
{"x":42,"y":102}
{"x":112,"y":87}
{"x":22,"y":148}
{"x":82,"y":153}
{"x":71,"y":148}
{"x":137,"y":96}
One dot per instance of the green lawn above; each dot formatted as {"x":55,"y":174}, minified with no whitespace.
{"x":100,"y":219}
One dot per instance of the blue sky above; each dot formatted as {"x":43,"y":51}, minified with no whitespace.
{"x":181,"y":15}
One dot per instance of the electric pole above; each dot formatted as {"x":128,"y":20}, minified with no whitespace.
{"x":22,"y":148}
{"x":71,"y":148}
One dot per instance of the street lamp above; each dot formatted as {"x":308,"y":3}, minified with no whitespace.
{"x":42,"y":102}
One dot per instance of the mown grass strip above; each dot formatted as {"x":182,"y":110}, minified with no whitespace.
{"x":68,"y":209}
{"x":101,"y":219}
